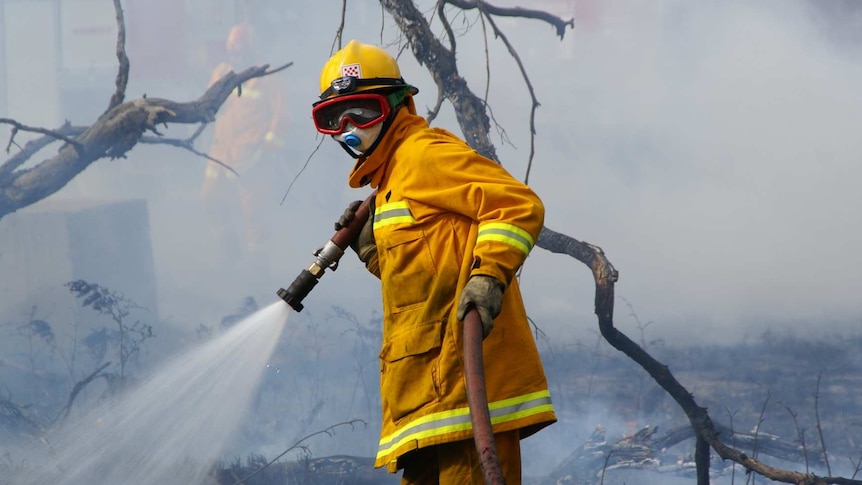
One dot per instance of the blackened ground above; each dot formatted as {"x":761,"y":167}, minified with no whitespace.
{"x":765,"y":387}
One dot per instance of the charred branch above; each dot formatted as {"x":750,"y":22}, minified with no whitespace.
{"x":117,"y":131}
{"x":187,"y":144}
{"x":112,"y":135}
{"x":123,"y":60}
{"x":79,"y":386}
{"x":558,"y":23}
{"x":648,"y":450}
{"x":33,"y":146}
{"x":698,"y":416}
{"x":486,"y":13}
{"x":339,"y":469}
{"x":441,"y":63}
{"x":534,"y":102}
{"x":17,"y":126}
{"x":768,"y":445}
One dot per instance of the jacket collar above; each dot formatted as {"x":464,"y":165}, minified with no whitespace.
{"x":371,"y":169}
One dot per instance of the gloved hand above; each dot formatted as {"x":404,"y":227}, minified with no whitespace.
{"x":363,"y":244}
{"x":348,"y":215}
{"x":485,"y":293}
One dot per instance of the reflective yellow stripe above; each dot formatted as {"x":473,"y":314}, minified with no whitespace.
{"x":393,"y":213}
{"x":506,"y":233}
{"x":459,"y":420}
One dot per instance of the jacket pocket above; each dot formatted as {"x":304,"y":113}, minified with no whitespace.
{"x":412,"y":272}
{"x":409,"y":366}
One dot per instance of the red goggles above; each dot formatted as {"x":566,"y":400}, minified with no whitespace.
{"x":361,"y":110}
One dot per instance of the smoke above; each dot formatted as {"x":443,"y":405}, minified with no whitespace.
{"x":708,"y":147}
{"x":709,"y":150}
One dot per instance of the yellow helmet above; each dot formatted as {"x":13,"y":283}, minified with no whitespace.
{"x":240,"y":39}
{"x":360,"y":67}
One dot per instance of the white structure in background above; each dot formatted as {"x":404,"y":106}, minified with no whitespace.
{"x":52,"y":53}
{"x":58,"y":62}
{"x":58,"y":57}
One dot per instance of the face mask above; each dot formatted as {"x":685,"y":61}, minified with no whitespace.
{"x":359,"y":139}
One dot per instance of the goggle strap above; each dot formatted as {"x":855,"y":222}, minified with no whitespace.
{"x":397,"y":97}
{"x":386,"y":123}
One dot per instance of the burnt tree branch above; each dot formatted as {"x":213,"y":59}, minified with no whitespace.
{"x":79,"y":386}
{"x":117,"y":131}
{"x":440,"y":61}
{"x":123,"y":60}
{"x":57,"y":135}
{"x":485,"y":13}
{"x":648,"y":450}
{"x":558,"y":23}
{"x":186,"y":144}
{"x":534,"y":102}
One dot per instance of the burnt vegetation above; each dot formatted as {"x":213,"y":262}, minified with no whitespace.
{"x":61,"y":368}
{"x":769,"y":397}
{"x":774,"y":397}
{"x":763,"y":393}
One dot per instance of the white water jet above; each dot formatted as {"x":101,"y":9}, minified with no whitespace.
{"x":172,"y":428}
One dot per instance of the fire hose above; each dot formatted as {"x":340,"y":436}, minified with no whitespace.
{"x":477,"y":399}
{"x":328,"y":256}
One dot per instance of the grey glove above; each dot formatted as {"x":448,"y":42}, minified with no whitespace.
{"x":363,"y":245}
{"x":485,"y":293}
{"x":349,"y":214}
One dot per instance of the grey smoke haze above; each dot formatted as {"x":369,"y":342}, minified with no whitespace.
{"x":714,"y":158}
{"x":710,"y":148}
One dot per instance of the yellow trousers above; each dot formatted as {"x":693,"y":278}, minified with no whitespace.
{"x":458,"y":463}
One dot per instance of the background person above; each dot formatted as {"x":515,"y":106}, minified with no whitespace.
{"x":248,"y":136}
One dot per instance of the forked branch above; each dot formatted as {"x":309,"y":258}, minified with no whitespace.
{"x":116,"y":132}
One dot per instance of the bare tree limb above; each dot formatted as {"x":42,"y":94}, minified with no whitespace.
{"x":441,"y":14}
{"x":123,"y":71}
{"x":800,"y":435}
{"x":113,"y":135}
{"x":17,"y":126}
{"x":329,"y":431}
{"x":534,"y":101}
{"x":336,"y":42}
{"x":185,"y":145}
{"x":819,"y":427}
{"x":116,"y":132}
{"x":558,"y":23}
{"x":34,"y":146}
{"x":79,"y":386}
{"x":440,"y":61}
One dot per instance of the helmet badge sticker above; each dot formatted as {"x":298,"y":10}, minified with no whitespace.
{"x":352,"y":70}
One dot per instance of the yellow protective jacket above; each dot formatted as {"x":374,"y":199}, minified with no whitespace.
{"x":442,"y":214}
{"x":246,"y":125}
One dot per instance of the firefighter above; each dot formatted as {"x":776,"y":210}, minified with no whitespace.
{"x":449,"y":230}
{"x":248,"y":136}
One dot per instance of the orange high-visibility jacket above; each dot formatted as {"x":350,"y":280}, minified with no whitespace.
{"x":442,"y":214}
{"x":244,"y":122}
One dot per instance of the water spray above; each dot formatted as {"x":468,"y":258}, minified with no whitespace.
{"x":325,"y":258}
